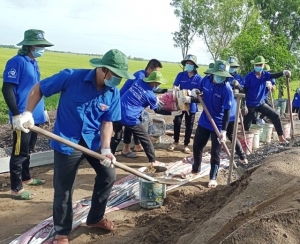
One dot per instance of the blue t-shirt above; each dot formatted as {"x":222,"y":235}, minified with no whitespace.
{"x":139,"y":96}
{"x":139,"y":75}
{"x":232,"y":110}
{"x":183,"y":81}
{"x":237,"y":77}
{"x":81,"y":108}
{"x":24,"y":73}
{"x":296,"y":100}
{"x":217,"y":97}
{"x":257,"y":89}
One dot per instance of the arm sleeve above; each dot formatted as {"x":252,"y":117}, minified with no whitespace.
{"x":225,"y":120}
{"x":9,"y":97}
{"x":177,"y":80}
{"x":276,"y":75}
{"x":114,"y":112}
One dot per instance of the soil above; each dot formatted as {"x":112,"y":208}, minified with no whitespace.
{"x":262,"y":207}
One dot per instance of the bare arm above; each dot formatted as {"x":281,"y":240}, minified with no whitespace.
{"x":34,"y":97}
{"x":106,"y":133}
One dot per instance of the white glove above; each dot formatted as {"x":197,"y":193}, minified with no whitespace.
{"x":195,"y":92}
{"x":176,"y":88}
{"x":110,"y":158}
{"x":287,"y":73}
{"x":47,"y":116}
{"x":223,"y":136}
{"x":269,"y":84}
{"x":186,"y":99}
{"x":235,"y":83}
{"x":176,"y":113}
{"x":23,"y":121}
{"x":159,"y":102}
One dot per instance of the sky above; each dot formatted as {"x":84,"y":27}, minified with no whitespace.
{"x":139,"y":28}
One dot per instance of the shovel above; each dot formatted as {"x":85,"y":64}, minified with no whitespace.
{"x":100,"y":157}
{"x":238,"y":170}
{"x":292,"y":141}
{"x":243,"y":129}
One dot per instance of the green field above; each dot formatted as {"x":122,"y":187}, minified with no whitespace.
{"x":53,"y":62}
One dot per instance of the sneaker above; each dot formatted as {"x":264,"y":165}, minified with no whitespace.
{"x":260,"y":121}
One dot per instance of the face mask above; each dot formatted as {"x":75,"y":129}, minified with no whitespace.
{"x":232,"y":70}
{"x":219,"y":79}
{"x":189,"y":67}
{"x":38,"y":52}
{"x":258,"y":69}
{"x":114,"y":81}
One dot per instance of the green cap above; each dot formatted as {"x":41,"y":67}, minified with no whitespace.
{"x":221,"y":68}
{"x":233,"y":61}
{"x":190,"y":57}
{"x":267,"y":67}
{"x":34,"y":37}
{"x":259,"y":60}
{"x":155,"y":76}
{"x":114,"y":60}
{"x":210,"y":66}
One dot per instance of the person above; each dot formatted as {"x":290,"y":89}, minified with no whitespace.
{"x":88,"y":104}
{"x":257,"y":85}
{"x":188,"y":79}
{"x":139,"y":96}
{"x":21,"y":73}
{"x":234,"y":65}
{"x":296,"y":102}
{"x":260,"y":119}
{"x":153,"y":65}
{"x":217,"y":96}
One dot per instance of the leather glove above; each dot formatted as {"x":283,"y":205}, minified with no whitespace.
{"x":110,"y":158}
{"x":23,"y":121}
{"x":186,"y":99}
{"x":223,"y":136}
{"x":159,"y":103}
{"x":195,"y":92}
{"x":287,"y":73}
{"x":176,"y":113}
{"x":176,"y":88}
{"x":269,"y":84}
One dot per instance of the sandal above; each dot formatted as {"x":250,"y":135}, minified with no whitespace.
{"x":172,"y":146}
{"x":61,"y":241}
{"x":25,"y":195}
{"x":186,"y":149}
{"x":129,"y":155}
{"x":212,"y":184}
{"x":36,"y":182}
{"x":104,"y":224}
{"x":138,"y":150}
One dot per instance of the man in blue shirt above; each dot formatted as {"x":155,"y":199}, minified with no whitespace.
{"x":189,"y":79}
{"x":153,"y":65}
{"x":20,"y":75}
{"x":218,"y":97}
{"x":296,"y":102}
{"x":234,"y":65}
{"x":88,"y":104}
{"x":257,"y":85}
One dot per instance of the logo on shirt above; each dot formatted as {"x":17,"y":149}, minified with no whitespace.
{"x":103,"y":107}
{"x":40,"y":36}
{"x":12,"y":73}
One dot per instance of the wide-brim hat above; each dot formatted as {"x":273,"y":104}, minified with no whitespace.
{"x":155,"y":76}
{"x":221,"y":68}
{"x":210,"y":66}
{"x":259,"y":60}
{"x":233,"y":61}
{"x":114,"y":60}
{"x":191,"y":58}
{"x":34,"y":37}
{"x":267,"y":67}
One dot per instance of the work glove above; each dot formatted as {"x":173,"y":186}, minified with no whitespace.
{"x":23,"y":121}
{"x":287,"y":73}
{"x":195,"y":92}
{"x":244,"y":110}
{"x":176,"y":113}
{"x":47,"y":117}
{"x":176,"y":88}
{"x":186,"y":99}
{"x":110,"y":158}
{"x":235,"y":83}
{"x":269,"y":84}
{"x":159,"y":103}
{"x":223,"y":136}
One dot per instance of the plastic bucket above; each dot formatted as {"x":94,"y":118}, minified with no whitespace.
{"x":259,"y":128}
{"x":297,"y":127}
{"x":255,"y":144}
{"x":275,"y":136}
{"x":277,"y":110}
{"x":282,"y":105}
{"x":249,"y":140}
{"x":287,"y":130}
{"x":267,"y":133}
{"x":152,"y":194}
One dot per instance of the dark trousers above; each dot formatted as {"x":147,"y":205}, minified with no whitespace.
{"x":267,"y":111}
{"x":128,"y":134}
{"x":201,"y":138}
{"x":295,"y":109}
{"x":189,"y":123}
{"x":65,"y":171}
{"x":238,"y":147}
{"x":269,"y":104}
{"x":140,"y":132}
{"x":23,"y":145}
